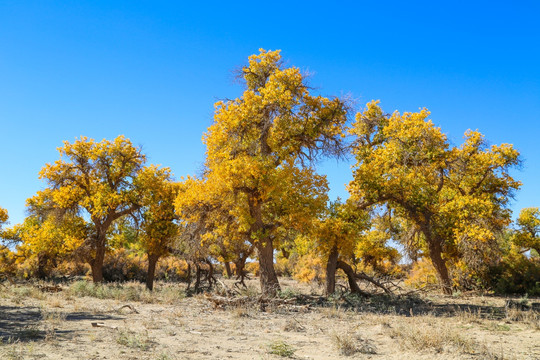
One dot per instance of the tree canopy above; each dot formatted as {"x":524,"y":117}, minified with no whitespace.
{"x":100,"y":179}
{"x":455,"y":197}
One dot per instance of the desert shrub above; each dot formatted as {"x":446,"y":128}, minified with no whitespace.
{"x":124,"y":292}
{"x":253,"y":268}
{"x":438,"y":338}
{"x":349,"y":344}
{"x":71,"y":268}
{"x":285,"y":266}
{"x":123,"y":265}
{"x":281,"y":348}
{"x":516,"y":274}
{"x":134,"y":340}
{"x":309,"y":268}
{"x":422,"y":274}
{"x":171,"y":268}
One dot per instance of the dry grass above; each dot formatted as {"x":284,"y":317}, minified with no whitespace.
{"x":293,"y":325}
{"x":529,"y":318}
{"x":169,"y":325}
{"x":444,"y":336}
{"x":349,"y":344}
{"x":133,"y":339}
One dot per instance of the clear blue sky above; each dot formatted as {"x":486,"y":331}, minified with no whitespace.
{"x":152,"y":70}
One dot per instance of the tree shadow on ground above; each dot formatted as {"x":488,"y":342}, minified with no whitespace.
{"x":412,"y":306}
{"x":26,"y":323}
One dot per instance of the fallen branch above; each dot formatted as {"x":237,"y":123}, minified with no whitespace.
{"x":263,"y":302}
{"x":50,"y":288}
{"x":99,"y":324}
{"x":228,"y":291}
{"x":366,"y":277}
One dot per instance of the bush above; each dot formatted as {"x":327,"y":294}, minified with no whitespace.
{"x":310,"y":268}
{"x":171,"y":268}
{"x":281,"y":348}
{"x":422,"y":274}
{"x":253,"y":268}
{"x":285,"y":267}
{"x":516,"y":274}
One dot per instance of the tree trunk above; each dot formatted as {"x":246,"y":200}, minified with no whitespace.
{"x":267,"y":273}
{"x":351,"y":277}
{"x":197,"y":278}
{"x":240,"y":265}
{"x":42,"y":262}
{"x":152,"y":261}
{"x":331,"y":267}
{"x":210,"y":275}
{"x":265,"y":249}
{"x":188,"y":275}
{"x":435,"y":254}
{"x":228,"y":269}
{"x":97,"y":264}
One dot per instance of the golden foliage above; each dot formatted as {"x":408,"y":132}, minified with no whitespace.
{"x":528,"y":234}
{"x":309,"y":268}
{"x":455,"y":196}
{"x":422,"y":274}
{"x":158,"y":227}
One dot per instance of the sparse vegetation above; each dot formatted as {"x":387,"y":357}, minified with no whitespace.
{"x":349,"y":344}
{"x":281,"y":348}
{"x":133,"y":339}
{"x":344,"y":326}
{"x":436,"y":337}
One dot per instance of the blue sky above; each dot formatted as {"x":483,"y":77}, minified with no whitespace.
{"x":152,"y":70}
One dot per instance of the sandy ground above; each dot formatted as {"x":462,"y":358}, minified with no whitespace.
{"x":36,"y":324}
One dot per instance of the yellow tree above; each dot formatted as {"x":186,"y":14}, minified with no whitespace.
{"x":6,"y":255}
{"x":527,"y":235}
{"x":3,"y":218}
{"x":48,"y":233}
{"x":455,"y":197}
{"x":97,"y":178}
{"x":158,"y":227}
{"x":207,"y":207}
{"x":222,"y":216}
{"x":333,"y":238}
{"x":258,"y":144}
{"x":372,"y":249}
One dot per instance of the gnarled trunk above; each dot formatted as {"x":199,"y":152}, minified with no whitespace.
{"x":267,"y":273}
{"x":435,"y":254}
{"x":197,"y":277}
{"x":228,"y":269}
{"x":265,"y":249}
{"x":97,"y":263}
{"x":152,"y":261}
{"x":331,"y":267}
{"x":351,"y":277}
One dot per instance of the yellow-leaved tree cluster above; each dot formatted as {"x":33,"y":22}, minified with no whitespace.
{"x":418,"y":206}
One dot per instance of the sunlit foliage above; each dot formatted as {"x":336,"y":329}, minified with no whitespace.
{"x":455,"y":196}
{"x":257,"y":150}
{"x":99,"y":179}
{"x":158,"y":227}
{"x":528,"y":234}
